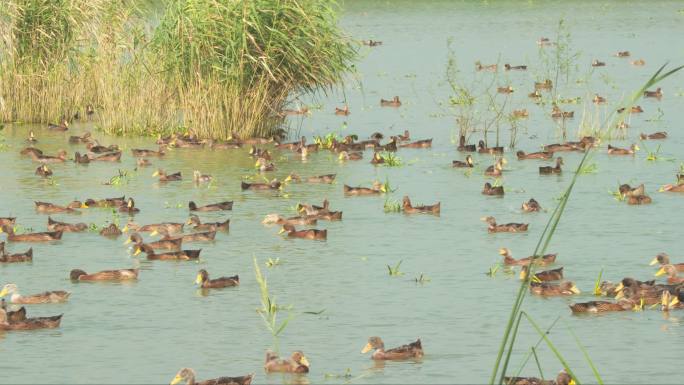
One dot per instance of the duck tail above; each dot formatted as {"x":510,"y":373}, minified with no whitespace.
{"x":270,"y":356}
{"x":192,"y":206}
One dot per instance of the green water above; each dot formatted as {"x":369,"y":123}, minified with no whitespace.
{"x":144,"y":332}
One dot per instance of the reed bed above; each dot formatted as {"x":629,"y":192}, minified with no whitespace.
{"x":220,"y":68}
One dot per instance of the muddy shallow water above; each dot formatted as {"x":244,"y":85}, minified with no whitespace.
{"x":145,"y":331}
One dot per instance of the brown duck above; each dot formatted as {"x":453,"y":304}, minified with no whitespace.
{"x":463,"y":146}
{"x":85,"y":138}
{"x":492,"y":190}
{"x":29,"y":323}
{"x":556,"y":112}
{"x":205,"y":283}
{"x":59,"y":158}
{"x":531,"y":206}
{"x":509,"y":67}
{"x":129,"y":207}
{"x":181,"y":255}
{"x":273,"y":185}
{"x":315,"y":234}
{"x":164,"y":177}
{"x":31,"y":237}
{"x":540,"y":261}
{"x":143,"y":153}
{"x":542,"y":276}
{"x":345,"y":155}
{"x":43,"y":171}
{"x":545,"y":170}
{"x":468,"y":163}
{"x":221,"y":206}
{"x":276,"y":219}
{"x":169,"y":227}
{"x":633,"y":110}
{"x":623,"y":151}
{"x":394,"y":102}
{"x":342,"y":111}
{"x":105,"y":275}
{"x":111,"y":157}
{"x":106,"y":202}
{"x":54,"y":225}
{"x":551,"y":290}
{"x":50,"y":208}
{"x":111,"y":231}
{"x":496,"y":170}
{"x":410,"y":351}
{"x":671,"y":272}
{"x":14,"y":258}
{"x":63,"y":125}
{"x":425,"y":143}
{"x":375,"y":190}
{"x":164,"y":244}
{"x":602,"y":306}
{"x":424,"y":209}
{"x":188,"y":375}
{"x":563,"y":378}
{"x":197,"y":224}
{"x":297,"y":363}
{"x":658,"y":93}
{"x":493,"y":227}
{"x":482,"y":149}
{"x":655,"y":135}
{"x":58,"y":296}
{"x":206,"y":236}
{"x":534,"y":155}
{"x":81,"y":159}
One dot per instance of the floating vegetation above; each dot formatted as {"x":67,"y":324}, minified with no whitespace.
{"x":392,"y":206}
{"x":394,"y":270}
{"x":272,"y":262}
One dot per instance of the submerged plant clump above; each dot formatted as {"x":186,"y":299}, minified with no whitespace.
{"x":223,"y":68}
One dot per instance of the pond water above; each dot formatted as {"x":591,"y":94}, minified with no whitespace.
{"x":145,"y":331}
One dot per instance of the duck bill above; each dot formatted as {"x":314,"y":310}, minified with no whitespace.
{"x":304,"y":362}
{"x":281,"y":231}
{"x":654,"y":261}
{"x":619,"y":295}
{"x":84,"y":206}
{"x":125,"y":229}
{"x":198,"y":280}
{"x":154,"y":232}
{"x":176,"y":380}
{"x":127,"y":241}
{"x":156,"y":173}
{"x":189,"y":222}
{"x":137,"y":252}
{"x":660,"y":272}
{"x":366,"y":348}
{"x":575,"y":290}
{"x":619,"y":287}
{"x":3,"y":293}
{"x":523,"y":274}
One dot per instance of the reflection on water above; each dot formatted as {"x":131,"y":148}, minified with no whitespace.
{"x":110,"y":331}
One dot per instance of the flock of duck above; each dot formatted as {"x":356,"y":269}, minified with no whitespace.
{"x":628,"y":293}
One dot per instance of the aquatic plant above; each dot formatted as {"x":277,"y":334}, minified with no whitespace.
{"x":511,"y":330}
{"x":394,"y":270}
{"x":422,"y":279}
{"x":391,"y":160}
{"x":222,"y":68}
{"x":272,"y":262}
{"x":392,"y":206}
{"x":597,"y":284}
{"x":269,"y":308}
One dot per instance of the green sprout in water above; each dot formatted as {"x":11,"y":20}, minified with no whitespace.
{"x":597,"y":285}
{"x":269,"y":308}
{"x":327,"y":141}
{"x":422,"y":279}
{"x":392,"y":206}
{"x":273,"y":262}
{"x":394,"y":271}
{"x":589,"y":168}
{"x":391,"y":160}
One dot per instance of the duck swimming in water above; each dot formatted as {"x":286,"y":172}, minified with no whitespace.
{"x":412,"y":350}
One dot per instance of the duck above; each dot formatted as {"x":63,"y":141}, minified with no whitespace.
{"x":264,"y":165}
{"x":539,"y":261}
{"x":520,"y":113}
{"x":13,"y":316}
{"x":633,"y":110}
{"x":59,"y":158}
{"x":198,"y":177}
{"x":342,"y":111}
{"x":531,"y":206}
{"x":144,"y":153}
{"x":300,"y":111}
{"x":560,"y":147}
{"x":405,"y":137}
{"x":29,"y":323}
{"x":639,"y":200}
{"x":412,"y":350}
{"x":598,"y":99}
{"x":8,"y":221}
{"x":645,"y":297}
{"x":424,"y":209}
{"x":375,"y":190}
{"x":255,"y":152}
{"x":81,"y":159}
{"x":496,"y":170}
{"x":66,"y":227}
{"x":482,"y":149}
{"x":15,"y":258}
{"x":602,"y":306}
{"x":273,"y":185}
{"x":544,"y":170}
{"x":550,"y":289}
{"x":129,"y":207}
{"x":105,"y":275}
{"x":542,"y":276}
{"x":205,"y":283}
{"x":489,"y":67}
{"x":669,"y":302}
{"x":584,"y":143}
{"x":43,"y":171}
{"x":221,"y":206}
{"x":181,"y":255}
{"x":424,"y":143}
{"x":58,"y":296}
{"x":164,"y":177}
{"x":164,"y":244}
{"x":48,"y":236}
{"x":509,"y":67}
{"x":377,"y":158}
{"x":492,"y":190}
{"x":622,"y":54}
{"x":223,"y":145}
{"x":112,"y":230}
{"x":371,"y":43}
{"x":169,"y":227}
{"x":188,"y":375}
{"x":206,"y":236}
{"x":315,"y":234}
{"x":394,"y":102}
{"x":505,"y":90}
{"x":275,"y":219}
{"x":110,"y":157}
{"x":522,"y":155}
{"x":655,"y":135}
{"x":544,"y":41}
{"x":105,"y":203}
{"x":493,"y":227}
{"x":623,"y":151}
{"x":638,"y":62}
{"x":142,"y":162}
{"x":534,"y":95}
{"x":95,"y":148}
{"x":32,"y":138}
{"x":597,"y":63}
{"x":297,"y":363}
{"x":86,"y":137}
{"x":658,"y":93}
{"x":545,"y":85}
{"x":563,"y":378}
{"x":556,"y":112}
{"x":32,"y":152}
{"x":671,"y":272}
{"x":50,"y":208}
{"x":468,"y":163}
{"x":63,"y":125}
{"x":463,"y":146}
{"x":325,"y":179}
{"x":346,"y":155}
{"x":391,"y":146}
{"x":197,"y":224}
{"x":673,"y":188}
